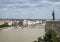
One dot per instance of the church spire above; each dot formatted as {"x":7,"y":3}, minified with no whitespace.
{"x":53,"y":14}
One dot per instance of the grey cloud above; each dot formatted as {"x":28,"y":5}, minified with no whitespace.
{"x":10,"y":1}
{"x":18,"y":1}
{"x":24,"y":4}
{"x":54,"y":0}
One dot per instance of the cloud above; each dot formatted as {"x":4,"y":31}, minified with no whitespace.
{"x":28,"y":3}
{"x":27,"y":8}
{"x":56,"y":3}
{"x":54,"y":0}
{"x":24,"y":3}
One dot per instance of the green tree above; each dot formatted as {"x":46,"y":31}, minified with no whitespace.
{"x":35,"y":41}
{"x":40,"y":39}
{"x":50,"y":36}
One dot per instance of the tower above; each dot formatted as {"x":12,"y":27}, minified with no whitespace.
{"x":53,"y":14}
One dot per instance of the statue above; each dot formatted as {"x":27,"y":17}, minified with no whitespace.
{"x":53,"y":15}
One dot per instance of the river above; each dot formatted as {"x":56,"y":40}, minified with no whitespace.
{"x":21,"y":34}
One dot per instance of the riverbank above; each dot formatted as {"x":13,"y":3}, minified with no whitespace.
{"x":29,"y":26}
{"x":6,"y":28}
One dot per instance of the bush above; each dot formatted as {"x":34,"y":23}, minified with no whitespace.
{"x":5,"y":25}
{"x":50,"y":36}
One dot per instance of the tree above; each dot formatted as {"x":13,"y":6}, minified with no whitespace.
{"x":50,"y":36}
{"x":40,"y":39}
{"x":35,"y":41}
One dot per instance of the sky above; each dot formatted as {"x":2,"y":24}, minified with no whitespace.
{"x":29,"y":9}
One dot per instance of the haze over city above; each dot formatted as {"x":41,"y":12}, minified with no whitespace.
{"x":29,"y":9}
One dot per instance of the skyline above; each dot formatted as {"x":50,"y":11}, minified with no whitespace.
{"x":29,"y":9}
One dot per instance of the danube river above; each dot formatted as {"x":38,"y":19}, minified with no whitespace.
{"x":21,"y":34}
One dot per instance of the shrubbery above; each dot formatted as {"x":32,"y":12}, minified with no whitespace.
{"x":50,"y":36}
{"x":5,"y":25}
